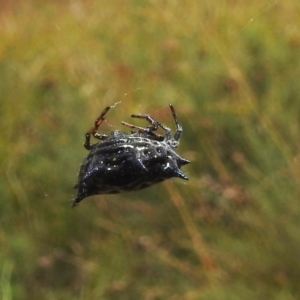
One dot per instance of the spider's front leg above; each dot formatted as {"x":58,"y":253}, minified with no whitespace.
{"x":154,"y":124}
{"x":93,"y":130}
{"x":148,"y":130}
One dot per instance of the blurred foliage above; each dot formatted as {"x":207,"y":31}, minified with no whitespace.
{"x":231,"y":70}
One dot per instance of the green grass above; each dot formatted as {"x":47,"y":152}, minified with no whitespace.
{"x":231,"y":70}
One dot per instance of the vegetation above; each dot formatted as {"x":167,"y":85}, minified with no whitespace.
{"x":231,"y":69}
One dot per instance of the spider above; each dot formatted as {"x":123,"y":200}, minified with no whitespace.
{"x":122,"y":162}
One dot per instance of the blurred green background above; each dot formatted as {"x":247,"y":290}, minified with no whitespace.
{"x":231,"y":69}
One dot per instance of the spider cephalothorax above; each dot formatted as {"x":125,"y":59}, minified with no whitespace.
{"x":122,"y":162}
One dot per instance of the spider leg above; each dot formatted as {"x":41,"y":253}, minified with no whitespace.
{"x":100,"y":136}
{"x":155,"y":124}
{"x":178,"y":126}
{"x":93,"y":130}
{"x":148,"y":130}
{"x":135,"y":128}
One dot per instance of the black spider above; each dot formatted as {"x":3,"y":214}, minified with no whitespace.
{"x":122,"y":162}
